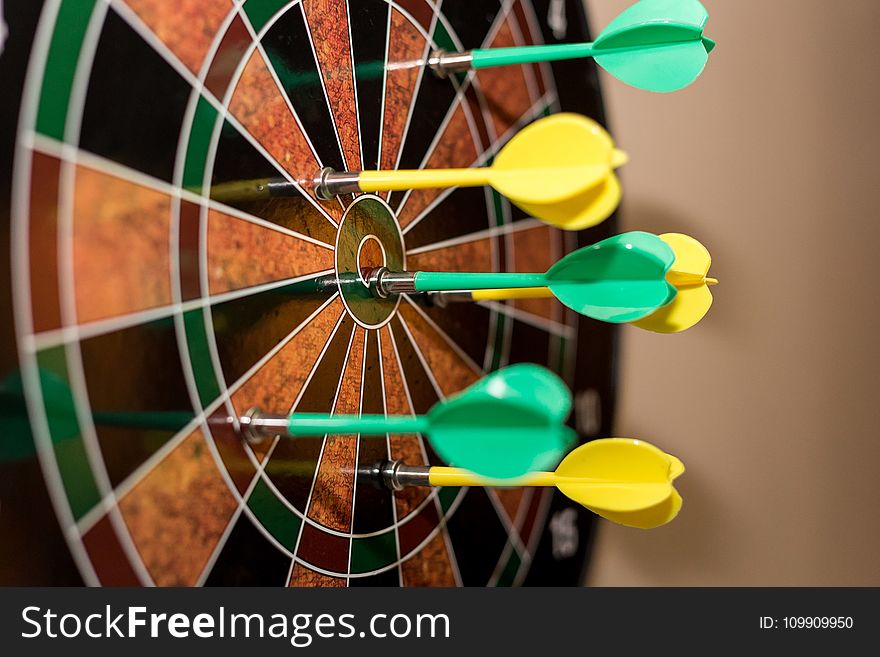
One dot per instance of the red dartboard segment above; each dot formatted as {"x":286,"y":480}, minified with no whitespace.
{"x":216,"y":298}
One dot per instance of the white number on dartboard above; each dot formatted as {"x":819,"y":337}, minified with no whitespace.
{"x":564,"y":532}
{"x":556,"y":18}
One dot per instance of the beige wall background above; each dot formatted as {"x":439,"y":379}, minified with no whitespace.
{"x":771,"y":160}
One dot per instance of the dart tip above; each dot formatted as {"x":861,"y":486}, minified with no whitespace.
{"x":708,"y":44}
{"x":711,"y":281}
{"x":618,"y":158}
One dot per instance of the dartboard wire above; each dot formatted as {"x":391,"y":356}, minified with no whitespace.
{"x":461,"y":353}
{"x":433,"y":495}
{"x":458,"y":99}
{"x":536,"y":321}
{"x":514,"y":542}
{"x":538,"y":39}
{"x":91,"y":329}
{"x":430,"y":374}
{"x":540,"y":521}
{"x":429,"y":46}
{"x":357,"y":448}
{"x":134,"y":21}
{"x":22,"y":317}
{"x":394,"y":519}
{"x":199,"y":420}
{"x":530,"y":115}
{"x":257,"y":38}
{"x":486,"y":233}
{"x":67,"y":289}
{"x":384,"y":91}
{"x":320,"y":458}
{"x":260,"y":474}
{"x":268,"y":482}
{"x":471,"y":79}
{"x":519,"y":39}
{"x":357,"y":107}
{"x":320,"y":70}
{"x":55,"y":148}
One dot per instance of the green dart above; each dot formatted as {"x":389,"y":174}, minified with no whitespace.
{"x":656,"y":45}
{"x":620,"y":279}
{"x":507,"y":424}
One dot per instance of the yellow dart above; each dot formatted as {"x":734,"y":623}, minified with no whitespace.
{"x":688,"y":274}
{"x":624,"y":480}
{"x":559,"y":169}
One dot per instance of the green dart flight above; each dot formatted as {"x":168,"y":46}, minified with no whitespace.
{"x":620,"y":279}
{"x":505,"y":425}
{"x":656,"y":45}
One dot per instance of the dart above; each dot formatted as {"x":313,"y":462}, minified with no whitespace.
{"x":559,"y":169}
{"x":506,"y":424}
{"x":687,"y":274}
{"x":656,"y":45}
{"x":620,"y":279}
{"x":624,"y":480}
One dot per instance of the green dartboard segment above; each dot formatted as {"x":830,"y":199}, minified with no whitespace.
{"x":656,"y":45}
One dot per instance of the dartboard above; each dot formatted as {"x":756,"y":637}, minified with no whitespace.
{"x":141,"y":286}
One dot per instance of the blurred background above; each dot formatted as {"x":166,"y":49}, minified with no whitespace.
{"x":770,"y":160}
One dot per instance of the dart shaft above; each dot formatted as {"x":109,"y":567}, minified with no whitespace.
{"x":500,"y":294}
{"x":331,"y":183}
{"x":429,"y":281}
{"x":311,"y":424}
{"x":529,"y":54}
{"x":443,"y":476}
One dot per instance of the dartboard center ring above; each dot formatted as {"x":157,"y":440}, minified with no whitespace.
{"x":368,"y":237}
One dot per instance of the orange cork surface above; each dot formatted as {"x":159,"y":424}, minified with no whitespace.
{"x":187,"y":27}
{"x":233,"y":241}
{"x":177,"y":513}
{"x":114,"y":278}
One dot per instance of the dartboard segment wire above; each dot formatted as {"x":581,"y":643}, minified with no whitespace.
{"x":257,"y":39}
{"x":197,"y":83}
{"x":537,"y":38}
{"x":320,"y":70}
{"x":429,"y":46}
{"x":21,"y":291}
{"x":384,"y":91}
{"x":535,"y":111}
{"x":546,"y":499}
{"x":259,"y":475}
{"x":461,"y":353}
{"x":357,"y":106}
{"x":199,"y":420}
{"x":79,"y":156}
{"x":546,"y":325}
{"x":394,"y":517}
{"x":334,"y":401}
{"x":357,"y":450}
{"x":458,"y":99}
{"x":486,"y":233}
{"x":67,"y":292}
{"x":519,"y":39}
{"x":433,"y":496}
